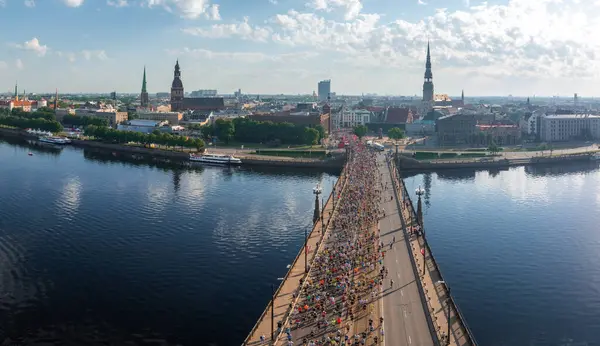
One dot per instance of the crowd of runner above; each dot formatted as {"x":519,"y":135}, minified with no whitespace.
{"x":347,"y":275}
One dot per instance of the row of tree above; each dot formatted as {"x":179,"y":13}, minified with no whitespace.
{"x":250,"y":131}
{"x":394,"y":133}
{"x":42,"y":113}
{"x":27,"y":123}
{"x":74,"y":120}
{"x":157,"y":137}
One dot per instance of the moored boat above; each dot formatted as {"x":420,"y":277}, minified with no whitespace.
{"x":217,"y":159}
{"x":54,"y":140}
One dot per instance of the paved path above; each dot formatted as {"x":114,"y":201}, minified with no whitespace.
{"x":404,"y":317}
{"x":291,"y":283}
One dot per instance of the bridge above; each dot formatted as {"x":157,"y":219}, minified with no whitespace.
{"x":417,"y":309}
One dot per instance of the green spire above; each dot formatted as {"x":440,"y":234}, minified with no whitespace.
{"x":144,"y":81}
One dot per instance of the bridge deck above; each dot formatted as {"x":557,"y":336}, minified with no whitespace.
{"x":405,"y":322}
{"x":291,"y":283}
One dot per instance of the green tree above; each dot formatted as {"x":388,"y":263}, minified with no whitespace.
{"x":311,"y":136}
{"x":225,"y":129}
{"x":395,"y":133}
{"x":360,"y":130}
{"x":493,"y":148}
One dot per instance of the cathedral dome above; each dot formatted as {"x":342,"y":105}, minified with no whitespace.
{"x":177,"y":83}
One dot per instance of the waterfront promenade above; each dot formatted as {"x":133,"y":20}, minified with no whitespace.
{"x":441,"y":310}
{"x":284,"y":296}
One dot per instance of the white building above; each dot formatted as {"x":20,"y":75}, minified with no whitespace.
{"x":564,"y":127}
{"x":144,"y":126}
{"x":350,"y":118}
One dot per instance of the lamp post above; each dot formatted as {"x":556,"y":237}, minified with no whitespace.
{"x":273,"y":310}
{"x":420,"y":192}
{"x":317,"y":191}
{"x":448,"y":305}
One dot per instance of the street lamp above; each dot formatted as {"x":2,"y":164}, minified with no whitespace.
{"x":273,"y":309}
{"x":441,"y":282}
{"x":317,"y":191}
{"x":420,"y":192}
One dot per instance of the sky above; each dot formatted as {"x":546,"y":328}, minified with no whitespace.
{"x":518,"y":47}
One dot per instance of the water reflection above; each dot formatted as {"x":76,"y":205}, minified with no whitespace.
{"x":557,"y":170}
{"x":457,"y":174}
{"x":32,"y":146}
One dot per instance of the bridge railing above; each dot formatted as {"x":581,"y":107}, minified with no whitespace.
{"x":337,"y":187}
{"x":454,"y":306}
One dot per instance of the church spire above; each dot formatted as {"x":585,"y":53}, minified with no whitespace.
{"x":16,"y":91}
{"x":462,"y":96}
{"x":144,"y":81}
{"x":428,"y":80}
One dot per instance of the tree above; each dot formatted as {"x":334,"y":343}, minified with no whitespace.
{"x":360,"y":130}
{"x":395,"y":133}
{"x":493,"y":148}
{"x":225,"y":129}
{"x":311,"y":136}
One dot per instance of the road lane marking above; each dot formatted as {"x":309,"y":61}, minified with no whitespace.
{"x":404,"y":313}
{"x":409,"y":340}
{"x":402,"y":294}
{"x":396,"y":261}
{"x":398,"y":274}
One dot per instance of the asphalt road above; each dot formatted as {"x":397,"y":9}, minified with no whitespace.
{"x":404,"y":317}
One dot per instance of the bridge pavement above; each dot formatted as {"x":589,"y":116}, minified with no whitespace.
{"x":404,"y":317}
{"x":437,"y":302}
{"x":291,"y":283}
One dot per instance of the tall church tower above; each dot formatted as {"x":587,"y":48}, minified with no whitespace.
{"x":16,"y":92}
{"x":428,"y":83}
{"x":177,"y":90}
{"x":144,"y":94}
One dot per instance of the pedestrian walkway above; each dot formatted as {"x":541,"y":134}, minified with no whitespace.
{"x":284,"y":296}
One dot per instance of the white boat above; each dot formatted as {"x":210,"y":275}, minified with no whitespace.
{"x":217,"y":159}
{"x":54,"y":140}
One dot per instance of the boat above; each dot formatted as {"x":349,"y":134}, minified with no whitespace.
{"x":595,"y":157}
{"x":54,"y":140}
{"x":217,"y":159}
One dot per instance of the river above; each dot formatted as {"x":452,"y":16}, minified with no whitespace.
{"x":95,"y":249}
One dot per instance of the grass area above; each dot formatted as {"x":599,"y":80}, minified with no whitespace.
{"x":430,"y":155}
{"x":301,"y":154}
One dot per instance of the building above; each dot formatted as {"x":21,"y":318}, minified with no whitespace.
{"x":500,"y":134}
{"x":144,"y":95}
{"x":420,"y":127}
{"x":352,"y":118}
{"x":460,"y":129}
{"x":324,"y":90}
{"x":180,"y":103}
{"x":144,"y":126}
{"x":428,"y":82}
{"x":398,"y":115}
{"x":112,"y":116}
{"x":564,"y":127}
{"x":204,"y":93}
{"x":172,"y":117}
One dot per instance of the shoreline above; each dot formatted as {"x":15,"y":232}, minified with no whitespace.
{"x":414,"y":166}
{"x":183,"y":157}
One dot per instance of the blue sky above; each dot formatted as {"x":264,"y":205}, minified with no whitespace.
{"x":519,"y":47}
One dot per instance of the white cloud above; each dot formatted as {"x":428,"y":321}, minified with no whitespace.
{"x":188,"y":9}
{"x":70,"y":56}
{"x":274,"y":2}
{"x":73,"y":3}
{"x":2,"y":3}
{"x":351,"y":8}
{"x":3,"y":64}
{"x":242,"y":29}
{"x":19,"y":64}
{"x":117,"y":3}
{"x":541,"y":39}
{"x":35,"y":46}
{"x":244,"y":57}
{"x":94,"y":54}
{"x":30,"y":3}
{"x":421,"y":2}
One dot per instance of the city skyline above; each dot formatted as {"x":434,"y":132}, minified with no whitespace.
{"x":517,"y":47}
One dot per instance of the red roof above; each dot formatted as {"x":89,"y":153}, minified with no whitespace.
{"x":397,"y":115}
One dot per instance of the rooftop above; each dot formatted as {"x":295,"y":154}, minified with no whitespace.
{"x":572,"y":116}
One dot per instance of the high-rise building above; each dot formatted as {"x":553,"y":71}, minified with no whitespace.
{"x":324,"y":89}
{"x":428,"y":83}
{"x":144,"y":95}
{"x":177,"y":90}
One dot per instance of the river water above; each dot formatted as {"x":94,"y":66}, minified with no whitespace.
{"x":95,"y":249}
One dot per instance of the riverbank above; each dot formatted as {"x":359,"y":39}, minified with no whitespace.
{"x":408,"y":164}
{"x":247,"y":158}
